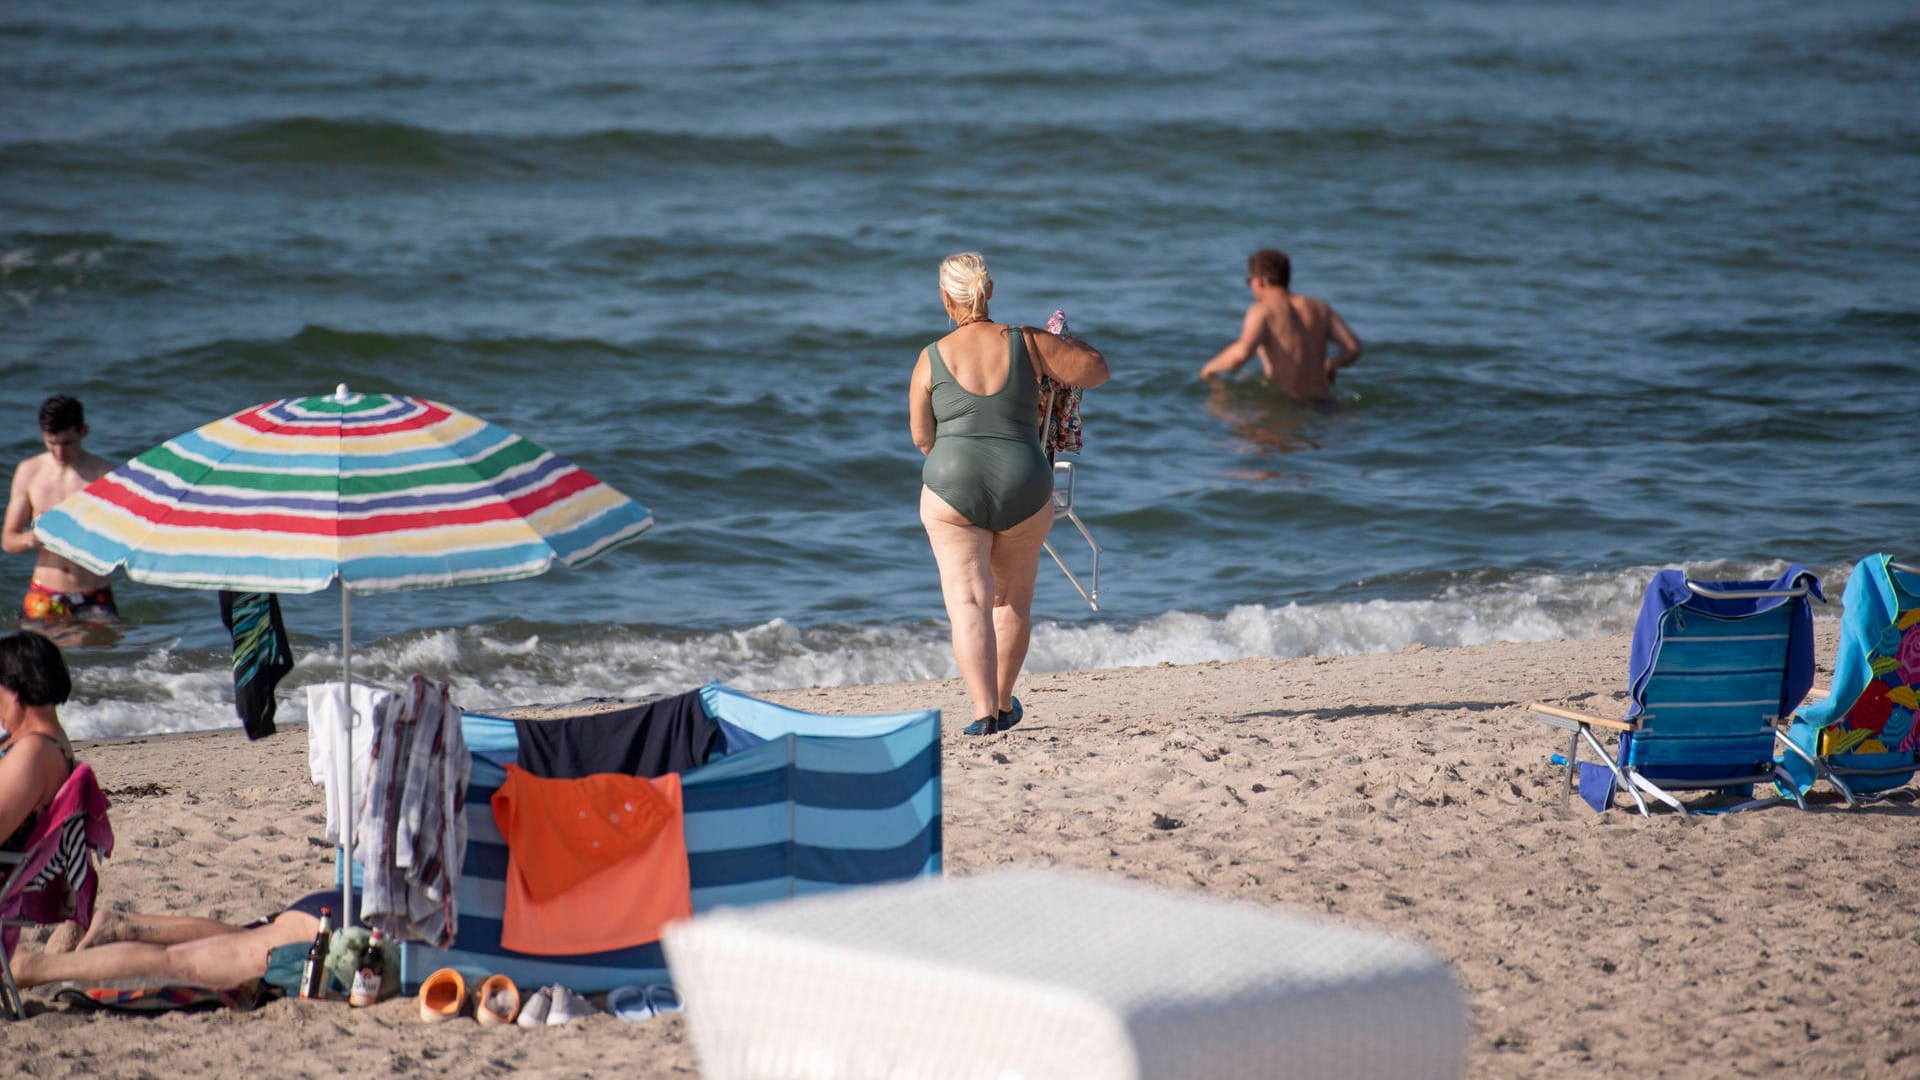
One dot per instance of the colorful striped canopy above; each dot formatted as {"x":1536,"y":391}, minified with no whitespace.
{"x":382,"y":491}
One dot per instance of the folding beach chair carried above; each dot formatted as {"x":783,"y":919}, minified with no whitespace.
{"x":1714,"y":667}
{"x":1060,"y":434}
{"x":1063,"y":508}
{"x":1863,"y":734}
{"x":54,"y":879}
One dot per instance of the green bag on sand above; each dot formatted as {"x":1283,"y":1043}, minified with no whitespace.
{"x":343,"y":959}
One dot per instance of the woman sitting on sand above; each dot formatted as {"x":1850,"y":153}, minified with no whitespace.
{"x":38,"y":758}
{"x":973,"y":406}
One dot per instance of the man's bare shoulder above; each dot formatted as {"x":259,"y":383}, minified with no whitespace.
{"x":1311,"y":306}
{"x":95,"y":467}
{"x":29,"y":470}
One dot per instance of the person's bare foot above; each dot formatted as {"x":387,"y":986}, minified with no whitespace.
{"x":108,"y":927}
{"x":64,"y":938}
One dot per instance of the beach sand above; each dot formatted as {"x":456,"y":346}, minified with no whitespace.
{"x":1407,"y":792}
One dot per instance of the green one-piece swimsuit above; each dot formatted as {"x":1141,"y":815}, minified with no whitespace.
{"x":986,"y":460}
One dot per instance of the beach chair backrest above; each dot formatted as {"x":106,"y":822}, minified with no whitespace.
{"x":1879,"y":732}
{"x":1716,"y":687}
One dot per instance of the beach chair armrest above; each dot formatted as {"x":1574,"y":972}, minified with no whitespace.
{"x":1567,"y":718}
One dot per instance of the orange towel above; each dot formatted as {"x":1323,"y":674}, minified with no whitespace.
{"x":593,"y":864}
{"x":562,"y":832}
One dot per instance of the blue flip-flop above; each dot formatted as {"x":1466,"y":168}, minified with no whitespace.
{"x":636,"y":1003}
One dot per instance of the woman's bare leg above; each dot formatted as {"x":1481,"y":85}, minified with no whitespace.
{"x":963,"y":550}
{"x":218,"y":961}
{"x":1016,"y":562}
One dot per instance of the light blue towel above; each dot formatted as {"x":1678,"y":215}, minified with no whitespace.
{"x":1872,"y":603}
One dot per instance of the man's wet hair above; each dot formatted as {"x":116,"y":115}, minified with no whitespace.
{"x":1272,"y":266}
{"x":31,"y":666}
{"x":61,"y":413}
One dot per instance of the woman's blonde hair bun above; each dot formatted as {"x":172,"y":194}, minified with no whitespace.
{"x":965,"y":280}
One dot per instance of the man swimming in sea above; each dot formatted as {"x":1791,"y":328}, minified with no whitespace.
{"x":61,"y":591}
{"x":1289,"y":332}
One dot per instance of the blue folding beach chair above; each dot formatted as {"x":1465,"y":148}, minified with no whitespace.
{"x":1714,"y":667}
{"x":1863,"y":734}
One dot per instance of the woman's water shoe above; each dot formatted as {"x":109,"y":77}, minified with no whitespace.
{"x":1009,"y":717}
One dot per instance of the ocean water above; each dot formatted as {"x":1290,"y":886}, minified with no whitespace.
{"x":1637,"y":283}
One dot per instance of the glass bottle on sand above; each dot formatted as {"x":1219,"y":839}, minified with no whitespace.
{"x":372,"y":970}
{"x":313,"y":978}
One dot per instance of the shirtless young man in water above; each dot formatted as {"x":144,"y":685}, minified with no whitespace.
{"x":61,"y":591}
{"x":1289,"y":333}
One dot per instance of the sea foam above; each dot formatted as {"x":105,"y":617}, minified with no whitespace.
{"x":166,"y":690}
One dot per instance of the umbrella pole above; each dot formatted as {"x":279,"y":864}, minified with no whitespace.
{"x":346,"y":823}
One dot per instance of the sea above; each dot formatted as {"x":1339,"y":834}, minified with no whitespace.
{"x":1638,"y":284}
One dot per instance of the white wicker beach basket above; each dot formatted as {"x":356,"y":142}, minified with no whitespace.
{"x":1034,"y":973}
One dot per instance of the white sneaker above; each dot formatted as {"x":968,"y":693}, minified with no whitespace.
{"x":568,"y":1007}
{"x":534,"y":1010}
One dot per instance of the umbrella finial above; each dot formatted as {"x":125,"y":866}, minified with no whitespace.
{"x":340,"y":393}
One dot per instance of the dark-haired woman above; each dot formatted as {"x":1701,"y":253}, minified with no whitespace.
{"x":37,"y":760}
{"x":37,"y":757}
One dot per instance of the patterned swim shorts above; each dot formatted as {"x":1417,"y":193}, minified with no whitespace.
{"x":46,"y":605}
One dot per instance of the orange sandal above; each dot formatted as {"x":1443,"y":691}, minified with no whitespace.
{"x":499,"y":1000}
{"x":442,"y":996}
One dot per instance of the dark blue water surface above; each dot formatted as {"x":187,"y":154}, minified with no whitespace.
{"x":1638,"y":284}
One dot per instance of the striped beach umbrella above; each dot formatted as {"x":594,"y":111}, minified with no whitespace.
{"x":380,"y":491}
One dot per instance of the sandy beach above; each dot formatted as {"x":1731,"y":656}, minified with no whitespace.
{"x":1408,"y":792}
{"x":414,"y":321}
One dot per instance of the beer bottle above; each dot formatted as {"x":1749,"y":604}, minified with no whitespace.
{"x":373,"y":968}
{"x":313,"y":978}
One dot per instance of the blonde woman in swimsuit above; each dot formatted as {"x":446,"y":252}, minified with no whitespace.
{"x":986,"y":500}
